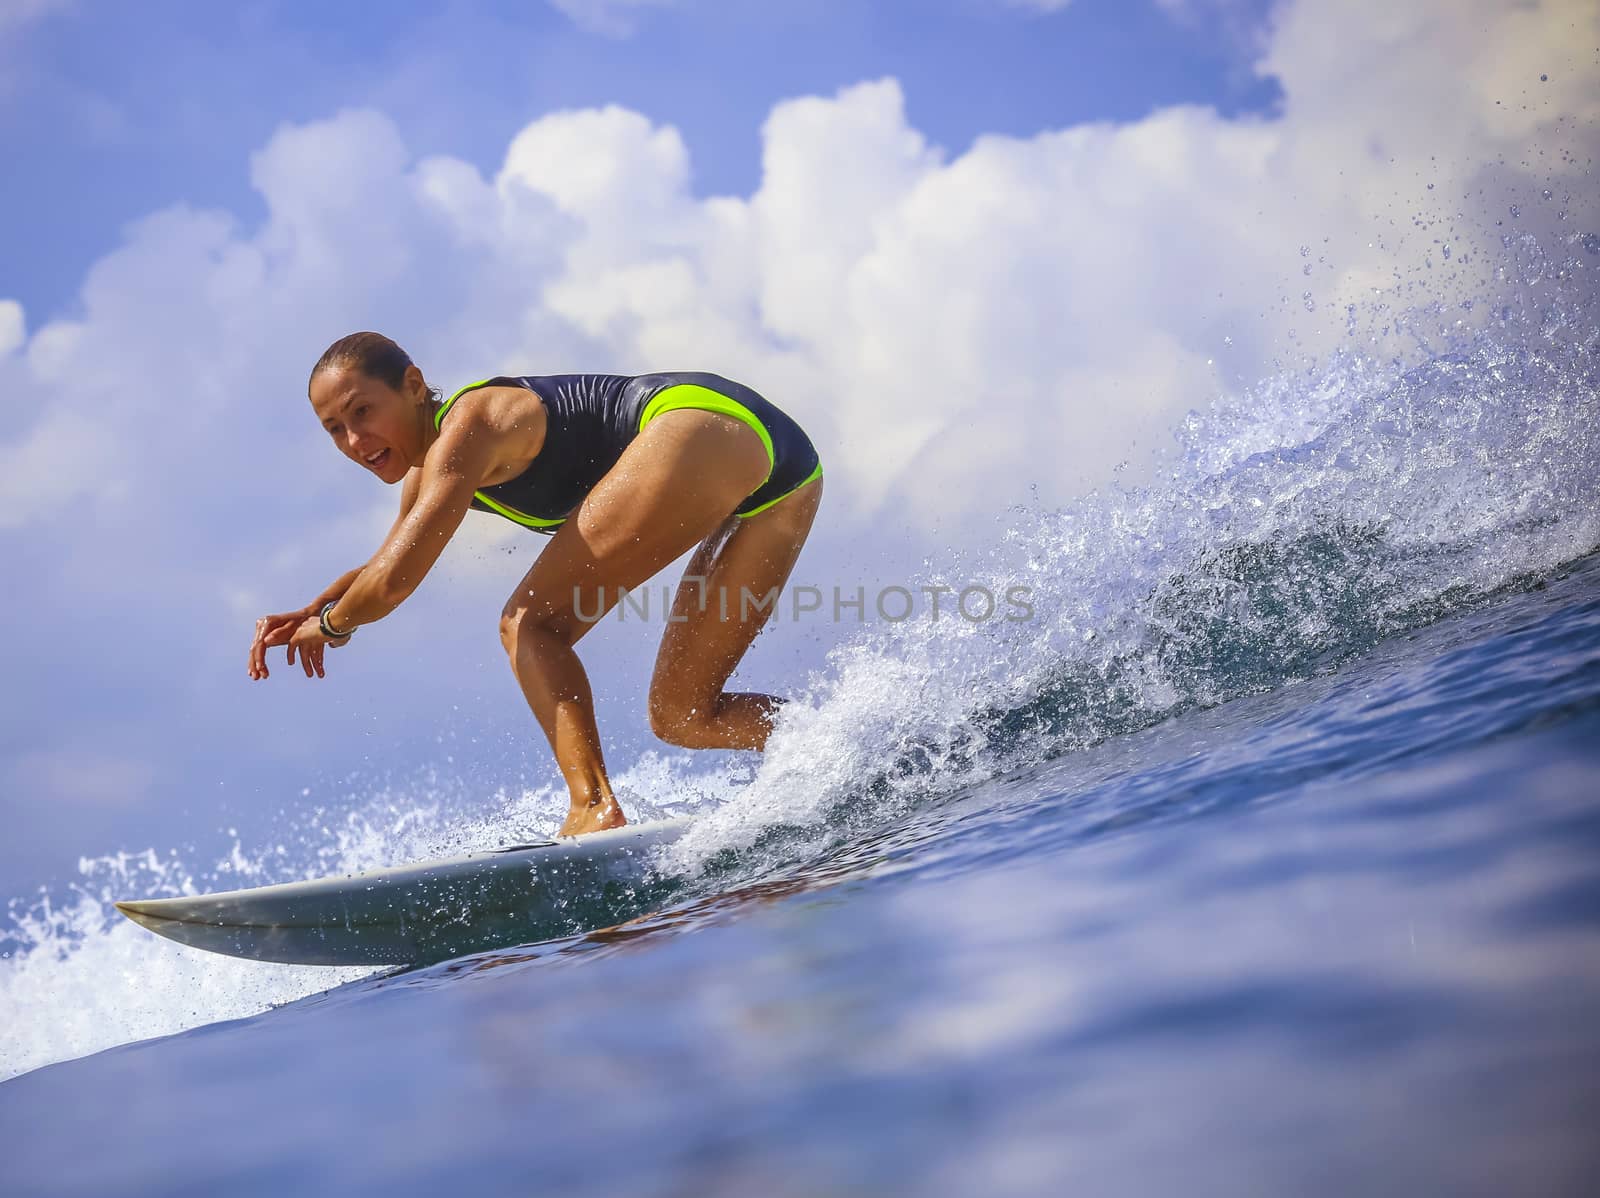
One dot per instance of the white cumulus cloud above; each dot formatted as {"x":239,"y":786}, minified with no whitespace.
{"x":951,"y":329}
{"x":13,"y":326}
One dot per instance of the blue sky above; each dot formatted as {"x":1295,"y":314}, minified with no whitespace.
{"x":113,"y":111}
{"x":983,"y":249}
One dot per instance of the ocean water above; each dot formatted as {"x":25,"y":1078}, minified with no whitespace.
{"x":1264,"y":859}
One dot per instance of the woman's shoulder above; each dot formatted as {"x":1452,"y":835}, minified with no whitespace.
{"x":554,"y":393}
{"x":512,"y":415}
{"x":501,"y":404}
{"x":483,"y":393}
{"x":498,"y":382}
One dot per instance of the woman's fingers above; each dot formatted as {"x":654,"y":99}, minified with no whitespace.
{"x":268,"y":633}
{"x":258,"y":650}
{"x":307,"y":640}
{"x":271,"y":631}
{"x":303,"y":636}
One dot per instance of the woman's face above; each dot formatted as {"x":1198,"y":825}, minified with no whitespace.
{"x":372,"y":423}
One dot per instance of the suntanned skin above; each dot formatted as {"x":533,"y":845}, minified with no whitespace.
{"x":674,"y":489}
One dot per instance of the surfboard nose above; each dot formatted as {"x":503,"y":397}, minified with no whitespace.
{"x":142,"y":913}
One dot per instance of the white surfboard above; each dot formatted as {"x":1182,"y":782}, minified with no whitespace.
{"x":428,"y":911}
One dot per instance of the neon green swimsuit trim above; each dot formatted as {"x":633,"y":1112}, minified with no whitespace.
{"x":510,"y":513}
{"x":688,"y":395}
{"x":810,"y":478}
{"x":438,"y":417}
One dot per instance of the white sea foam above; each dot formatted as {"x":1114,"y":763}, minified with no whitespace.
{"x":78,"y":978}
{"x":1446,"y":451}
{"x":1296,"y":525}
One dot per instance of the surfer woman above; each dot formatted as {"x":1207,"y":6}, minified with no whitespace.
{"x":627,"y":473}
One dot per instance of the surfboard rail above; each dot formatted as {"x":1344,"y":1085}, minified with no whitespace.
{"x":427,"y":910}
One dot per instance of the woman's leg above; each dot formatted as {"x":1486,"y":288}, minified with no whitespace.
{"x":673,"y":487}
{"x":729,"y":591}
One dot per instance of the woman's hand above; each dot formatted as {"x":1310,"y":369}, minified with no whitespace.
{"x":270,"y":631}
{"x":308,"y":639}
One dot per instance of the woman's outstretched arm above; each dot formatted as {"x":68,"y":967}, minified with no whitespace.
{"x":451,"y":472}
{"x":275,"y":630}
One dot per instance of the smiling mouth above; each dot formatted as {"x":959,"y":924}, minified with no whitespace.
{"x":377,"y":460}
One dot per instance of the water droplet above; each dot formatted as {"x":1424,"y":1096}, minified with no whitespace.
{"x":1446,"y":251}
{"x":1516,"y":211}
{"x":1545,"y":193}
{"x":1306,"y":269}
{"x":1311,"y":304}
{"x":1227,"y":341}
{"x":1544,"y":78}
{"x":1430,"y":187}
{"x":1305,"y":251}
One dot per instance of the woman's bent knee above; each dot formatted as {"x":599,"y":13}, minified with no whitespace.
{"x":512,"y":617}
{"x":518,"y":622}
{"x":679,"y":725}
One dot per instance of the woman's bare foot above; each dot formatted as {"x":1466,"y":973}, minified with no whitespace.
{"x":597,"y":815}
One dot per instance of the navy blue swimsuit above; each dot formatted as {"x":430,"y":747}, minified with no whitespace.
{"x":591,"y":418}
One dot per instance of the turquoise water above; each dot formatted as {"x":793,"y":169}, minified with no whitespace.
{"x":1265,"y":860}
